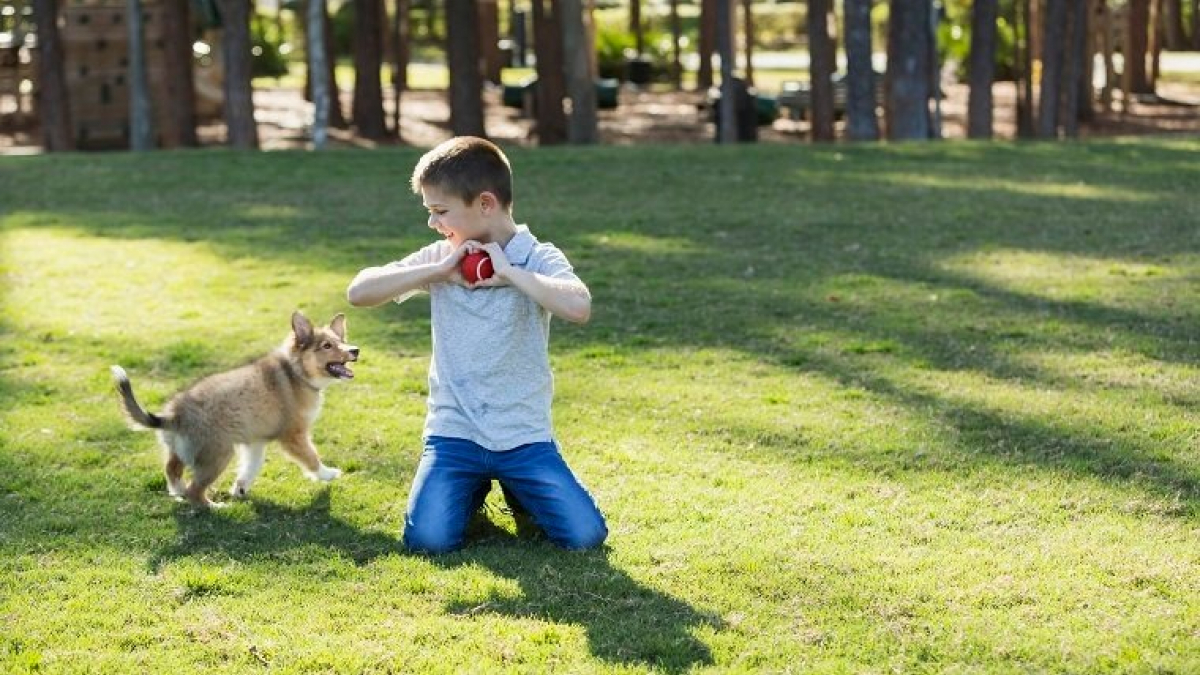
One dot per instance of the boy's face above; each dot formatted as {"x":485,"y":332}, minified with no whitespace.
{"x":453,"y":218}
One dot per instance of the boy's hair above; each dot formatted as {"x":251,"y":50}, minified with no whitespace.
{"x":466,"y":167}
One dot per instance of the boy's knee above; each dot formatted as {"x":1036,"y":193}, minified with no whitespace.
{"x":586,"y":536}
{"x":432,"y":540}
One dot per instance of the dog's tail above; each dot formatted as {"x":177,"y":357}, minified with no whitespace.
{"x":138,"y":415}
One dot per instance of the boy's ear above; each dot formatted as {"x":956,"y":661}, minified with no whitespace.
{"x":488,"y":201}
{"x":302,"y":328}
{"x":338,"y":326}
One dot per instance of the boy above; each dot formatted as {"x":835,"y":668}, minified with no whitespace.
{"x":490,"y":384}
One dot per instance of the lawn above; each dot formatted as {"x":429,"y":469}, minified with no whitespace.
{"x":849,"y":409}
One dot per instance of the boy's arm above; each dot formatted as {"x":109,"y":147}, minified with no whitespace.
{"x":374,"y":286}
{"x":567,"y":299}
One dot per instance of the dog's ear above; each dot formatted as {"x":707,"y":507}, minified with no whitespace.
{"x":338,"y":326}
{"x":302,"y":328}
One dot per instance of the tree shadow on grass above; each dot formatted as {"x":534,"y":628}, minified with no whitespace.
{"x":627,"y":622}
{"x":273,"y":530}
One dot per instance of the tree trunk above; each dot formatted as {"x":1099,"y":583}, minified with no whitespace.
{"x":551,"y":81}
{"x":727,"y":122}
{"x":1073,"y":70}
{"x":983,"y":68}
{"x":862,"y":124}
{"x":1156,"y":41}
{"x":179,"y":117}
{"x":822,"y":64}
{"x":337,"y":118}
{"x":489,"y":40}
{"x":908,"y":70}
{"x":367,"y":110}
{"x":241,"y":131}
{"x":1025,"y":88}
{"x":1196,"y":25}
{"x":748,"y":32}
{"x":52,"y":104}
{"x":462,"y":46}
{"x":706,"y":43}
{"x":1053,"y":36}
{"x":676,"y":57}
{"x":1176,"y":37}
{"x":635,"y":26}
{"x":316,"y":64}
{"x":141,"y":122}
{"x":400,"y":56}
{"x":581,"y":88}
{"x":1136,"y":44}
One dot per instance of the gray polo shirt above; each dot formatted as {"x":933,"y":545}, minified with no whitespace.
{"x":489,"y":378}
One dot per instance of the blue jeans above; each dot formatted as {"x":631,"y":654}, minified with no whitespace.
{"x":454,"y":475}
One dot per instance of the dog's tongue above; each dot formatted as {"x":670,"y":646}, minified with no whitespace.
{"x":340,"y":370}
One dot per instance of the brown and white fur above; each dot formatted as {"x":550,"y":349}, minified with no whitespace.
{"x":276,"y":398}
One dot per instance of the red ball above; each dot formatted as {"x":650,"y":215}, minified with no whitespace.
{"x":476,"y":266}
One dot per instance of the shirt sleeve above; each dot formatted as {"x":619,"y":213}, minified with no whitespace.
{"x":423,"y":256}
{"x":552,"y":262}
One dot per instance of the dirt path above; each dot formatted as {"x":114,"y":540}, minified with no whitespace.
{"x":643,"y":117}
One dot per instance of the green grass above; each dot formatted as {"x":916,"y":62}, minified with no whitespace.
{"x":851,"y":409}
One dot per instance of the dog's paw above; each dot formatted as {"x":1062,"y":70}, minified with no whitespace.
{"x":327,"y":473}
{"x":239,"y":490}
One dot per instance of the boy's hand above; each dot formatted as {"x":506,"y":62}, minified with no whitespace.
{"x":451,"y":264}
{"x":500,"y":266}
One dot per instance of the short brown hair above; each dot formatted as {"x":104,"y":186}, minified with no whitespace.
{"x":466,"y":167}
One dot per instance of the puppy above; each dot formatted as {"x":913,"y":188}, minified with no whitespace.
{"x":276,"y":398}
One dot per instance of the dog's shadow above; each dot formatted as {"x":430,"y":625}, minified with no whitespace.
{"x":272,"y":529}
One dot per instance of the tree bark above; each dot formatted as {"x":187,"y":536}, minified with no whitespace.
{"x":727,"y":122}
{"x":862,"y":125}
{"x":316,"y":64}
{"x":179,"y":117}
{"x":241,"y":130}
{"x":52,"y":105}
{"x":676,"y":57}
{"x":1176,"y":37}
{"x":635,"y":26}
{"x":581,"y":87}
{"x":462,"y":38}
{"x":908,"y":70}
{"x":983,"y":68}
{"x":748,"y":33}
{"x":141,"y":121}
{"x":706,"y":43}
{"x":551,"y":81}
{"x":367,"y":110}
{"x":1136,"y":43}
{"x":400,"y":54}
{"x":822,"y":64}
{"x":1053,"y":36}
{"x":1073,"y":70}
{"x":489,"y":40}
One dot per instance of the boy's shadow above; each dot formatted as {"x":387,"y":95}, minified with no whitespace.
{"x":273,"y":529}
{"x":626,"y":621}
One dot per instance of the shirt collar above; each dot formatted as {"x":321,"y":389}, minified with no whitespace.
{"x":518,"y":248}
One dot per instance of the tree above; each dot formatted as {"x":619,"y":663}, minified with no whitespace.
{"x":862,"y":124}
{"x":316,"y":64}
{"x":908,"y":86}
{"x":141,"y":124}
{"x":983,"y":68}
{"x":822,"y":64}
{"x":367,"y":110}
{"x":1054,"y":34}
{"x":706,"y":43}
{"x":748,"y":33}
{"x":676,"y":35}
{"x":635,"y":26}
{"x":1136,"y":46}
{"x":551,"y":81}
{"x":462,"y":38}
{"x":179,"y":104}
{"x":400,"y":56}
{"x":727,"y":111}
{"x":241,"y":131}
{"x":581,"y":88}
{"x":337,"y":119}
{"x":52,"y":83}
{"x":1077,"y":83}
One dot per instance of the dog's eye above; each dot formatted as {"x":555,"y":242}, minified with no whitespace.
{"x":326,"y":345}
